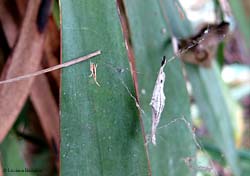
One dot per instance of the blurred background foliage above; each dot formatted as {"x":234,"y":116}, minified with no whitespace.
{"x":102,"y":132}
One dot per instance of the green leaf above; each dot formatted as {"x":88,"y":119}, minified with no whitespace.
{"x":149,"y":39}
{"x":214,"y":110}
{"x":11,"y":156}
{"x":241,"y":19}
{"x":100,"y":129}
{"x":244,"y":157}
{"x":220,"y":55}
{"x":210,"y":98}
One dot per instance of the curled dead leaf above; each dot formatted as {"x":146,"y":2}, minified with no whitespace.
{"x":204,"y":44}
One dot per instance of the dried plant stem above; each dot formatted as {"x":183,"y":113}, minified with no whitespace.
{"x":40,"y":72}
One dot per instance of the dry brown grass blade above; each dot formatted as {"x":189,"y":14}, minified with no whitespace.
{"x":8,"y":23}
{"x":47,"y":110}
{"x":25,"y":58}
{"x":52,"y":49}
{"x":52,"y":43}
{"x":1,"y":169}
{"x":21,"y":6}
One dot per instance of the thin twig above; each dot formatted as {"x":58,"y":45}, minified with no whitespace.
{"x":40,"y":72}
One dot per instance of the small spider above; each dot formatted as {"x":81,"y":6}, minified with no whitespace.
{"x":93,"y":72}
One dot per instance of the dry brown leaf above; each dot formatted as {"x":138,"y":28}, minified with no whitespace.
{"x":46,"y":108}
{"x":51,"y":43}
{"x":4,"y":49}
{"x":25,"y":58}
{"x":1,"y":169}
{"x":52,"y":50}
{"x":21,"y":6}
{"x":202,"y":47}
{"x":8,"y":23}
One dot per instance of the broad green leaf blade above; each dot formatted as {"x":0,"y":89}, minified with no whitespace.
{"x":100,"y":129}
{"x":242,"y":21}
{"x":209,"y":98}
{"x":244,"y":157}
{"x":214,"y":110}
{"x":169,"y":9}
{"x":149,"y":39}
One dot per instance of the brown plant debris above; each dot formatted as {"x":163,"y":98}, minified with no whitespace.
{"x":203,"y":44}
{"x":13,"y":96}
{"x":52,"y":51}
{"x":10,"y":23}
{"x":1,"y":169}
{"x":47,"y":110}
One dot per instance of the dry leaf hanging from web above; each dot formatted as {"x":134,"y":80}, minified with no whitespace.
{"x":158,"y":100}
